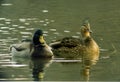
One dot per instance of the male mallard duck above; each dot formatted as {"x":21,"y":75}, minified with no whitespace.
{"x":36,"y":47}
{"x":70,"y":47}
{"x":40,"y":48}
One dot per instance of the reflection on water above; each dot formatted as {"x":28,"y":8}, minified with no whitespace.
{"x":38,"y":66}
{"x":19,"y":19}
{"x":17,"y":68}
{"x":87,"y":66}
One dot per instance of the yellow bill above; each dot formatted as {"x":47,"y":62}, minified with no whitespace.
{"x":41,"y":39}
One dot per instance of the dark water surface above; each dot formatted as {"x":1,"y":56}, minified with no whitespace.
{"x":59,"y":18}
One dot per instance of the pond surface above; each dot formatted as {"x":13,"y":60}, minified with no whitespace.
{"x":59,"y":18}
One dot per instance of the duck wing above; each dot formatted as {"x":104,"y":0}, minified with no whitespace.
{"x":71,"y":42}
{"x":66,"y":42}
{"x":23,"y":45}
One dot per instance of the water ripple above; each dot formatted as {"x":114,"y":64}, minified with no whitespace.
{"x":6,"y":4}
{"x":26,"y":33}
{"x":14,"y":65}
{"x":67,"y":61}
{"x":21,"y":27}
{"x":22,"y":20}
{"x":44,"y":11}
{"x":52,"y":30}
{"x":67,"y":31}
{"x":4,"y":27}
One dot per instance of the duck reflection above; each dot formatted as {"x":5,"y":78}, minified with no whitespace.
{"x":87,"y":64}
{"x":38,"y":66}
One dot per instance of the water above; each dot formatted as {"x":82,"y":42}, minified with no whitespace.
{"x":59,"y":18}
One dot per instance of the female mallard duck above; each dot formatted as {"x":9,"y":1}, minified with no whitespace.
{"x":70,"y":47}
{"x":36,"y":47}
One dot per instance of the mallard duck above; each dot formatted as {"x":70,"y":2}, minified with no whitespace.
{"x":70,"y":47}
{"x":40,"y":48}
{"x":36,"y":47}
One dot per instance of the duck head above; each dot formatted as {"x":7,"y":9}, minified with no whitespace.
{"x":38,"y":38}
{"x":85,"y":30}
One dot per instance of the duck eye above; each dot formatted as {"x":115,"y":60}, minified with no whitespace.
{"x":87,"y":29}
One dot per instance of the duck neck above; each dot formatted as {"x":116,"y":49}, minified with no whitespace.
{"x":88,"y":40}
{"x":40,"y":45}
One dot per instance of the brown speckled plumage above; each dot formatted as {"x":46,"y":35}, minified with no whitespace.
{"x":70,"y":47}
